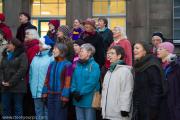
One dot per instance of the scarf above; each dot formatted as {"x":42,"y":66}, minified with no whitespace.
{"x":113,"y":65}
{"x":10,"y":55}
{"x":102,"y":30}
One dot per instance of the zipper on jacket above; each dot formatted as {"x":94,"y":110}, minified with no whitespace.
{"x":107,"y":94}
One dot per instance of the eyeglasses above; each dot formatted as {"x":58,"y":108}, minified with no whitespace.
{"x":112,"y":53}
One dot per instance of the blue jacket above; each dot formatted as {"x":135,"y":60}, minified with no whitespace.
{"x":86,"y":81}
{"x":37,"y":73}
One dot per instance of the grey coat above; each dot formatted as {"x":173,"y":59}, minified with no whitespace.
{"x":14,"y":71}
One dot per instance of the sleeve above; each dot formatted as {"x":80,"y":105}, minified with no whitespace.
{"x":126,"y":90}
{"x":67,"y":83}
{"x":46,"y":83}
{"x":21,"y":72}
{"x":1,"y":72}
{"x":73,"y":83}
{"x":100,"y":52}
{"x":156,"y":89}
{"x":92,"y":81}
{"x":128,"y":53}
{"x":110,"y":38}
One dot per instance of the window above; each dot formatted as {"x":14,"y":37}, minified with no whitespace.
{"x":176,"y":22}
{"x":44,"y":10}
{"x":1,"y":7}
{"x":113,"y":10}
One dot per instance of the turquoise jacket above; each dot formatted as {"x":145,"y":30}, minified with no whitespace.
{"x":86,"y":81}
{"x":37,"y":73}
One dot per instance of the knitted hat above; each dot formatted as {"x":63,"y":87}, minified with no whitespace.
{"x":79,"y":42}
{"x":25,"y":14}
{"x":168,"y":46}
{"x":90,"y":21}
{"x":65,"y":29}
{"x":54,"y":22}
{"x":2,"y":17}
{"x":159,"y":34}
{"x":47,"y":43}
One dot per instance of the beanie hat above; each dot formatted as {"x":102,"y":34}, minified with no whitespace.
{"x":90,"y":21}
{"x":79,"y":42}
{"x":168,"y":46}
{"x":47,"y":43}
{"x":159,"y":34}
{"x":56,"y":23}
{"x":65,"y":29}
{"x":2,"y":17}
{"x":25,"y":14}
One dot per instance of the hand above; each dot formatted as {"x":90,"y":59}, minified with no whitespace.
{"x":64,"y":104}
{"x":77,"y":96}
{"x":124,"y":114}
{"x":153,"y":115}
{"x":6,"y":84}
{"x":45,"y":100}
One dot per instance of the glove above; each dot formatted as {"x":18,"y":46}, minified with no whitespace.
{"x":64,"y":104}
{"x":77,"y":96}
{"x":45,"y":99}
{"x":124,"y":114}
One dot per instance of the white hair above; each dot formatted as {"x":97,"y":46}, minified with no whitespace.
{"x":121,"y":30}
{"x":88,"y":47}
{"x":34,"y":33}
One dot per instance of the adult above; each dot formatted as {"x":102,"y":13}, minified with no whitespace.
{"x":53,"y":27}
{"x":91,"y":36}
{"x":24,"y":19}
{"x":56,"y":89}
{"x":171,"y":68}
{"x":157,"y":38}
{"x":117,"y":87}
{"x":37,"y":74}
{"x":148,"y":87}
{"x":13,"y":69}
{"x":31,"y":43}
{"x":85,"y":85}
{"x":105,"y":32}
{"x":77,"y":29}
{"x":63,"y":37}
{"x":6,"y":30}
{"x":3,"y":43}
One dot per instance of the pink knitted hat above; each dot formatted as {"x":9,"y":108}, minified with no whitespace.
{"x":168,"y":46}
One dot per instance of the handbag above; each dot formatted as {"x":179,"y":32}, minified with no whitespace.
{"x":96,"y":103}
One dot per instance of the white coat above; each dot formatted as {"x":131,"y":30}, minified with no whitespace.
{"x":117,"y":93}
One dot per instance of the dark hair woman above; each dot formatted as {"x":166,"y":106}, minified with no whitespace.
{"x":13,"y":69}
{"x":148,"y":87}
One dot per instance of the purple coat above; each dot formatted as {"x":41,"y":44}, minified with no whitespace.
{"x":172,"y":72}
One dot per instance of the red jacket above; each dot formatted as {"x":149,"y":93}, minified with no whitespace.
{"x":126,"y":45}
{"x":6,"y":30}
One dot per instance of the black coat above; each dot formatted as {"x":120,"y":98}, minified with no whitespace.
{"x":107,"y":36}
{"x":20,"y":35}
{"x":14,"y":71}
{"x":97,"y":41}
{"x":148,"y":89}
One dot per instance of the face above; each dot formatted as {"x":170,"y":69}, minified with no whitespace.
{"x":76,"y":24}
{"x":139,"y":51}
{"x":77,"y":48}
{"x":162,"y":53}
{"x":84,"y":54}
{"x":116,"y":33}
{"x":60,"y":34}
{"x":56,"y":52}
{"x":10,"y":47}
{"x":28,"y":36}
{"x":23,"y":18}
{"x":88,"y":28}
{"x":156,"y":40}
{"x":101,"y":24}
{"x":112,"y":56}
{"x":51,"y":26}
